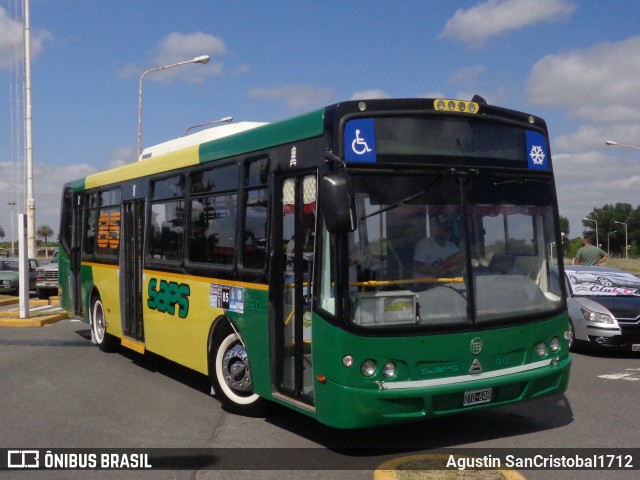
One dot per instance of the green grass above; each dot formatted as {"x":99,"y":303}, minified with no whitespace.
{"x":630,"y":265}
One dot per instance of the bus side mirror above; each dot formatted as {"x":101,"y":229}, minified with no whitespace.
{"x":339,"y":208}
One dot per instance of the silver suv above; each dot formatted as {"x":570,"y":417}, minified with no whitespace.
{"x":47,"y":278}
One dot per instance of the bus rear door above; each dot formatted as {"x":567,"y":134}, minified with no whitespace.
{"x":131,"y":268}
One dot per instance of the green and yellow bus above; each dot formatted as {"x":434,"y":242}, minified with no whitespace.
{"x":368,"y":263}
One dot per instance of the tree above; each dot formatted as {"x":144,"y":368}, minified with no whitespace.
{"x":607,"y":216}
{"x":44,"y":231}
{"x":1,"y":232}
{"x":572,"y":247}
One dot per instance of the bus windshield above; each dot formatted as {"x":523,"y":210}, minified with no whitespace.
{"x":449,"y":252}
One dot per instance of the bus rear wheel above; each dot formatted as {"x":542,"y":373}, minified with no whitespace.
{"x":230,"y":375}
{"x":99,"y":335}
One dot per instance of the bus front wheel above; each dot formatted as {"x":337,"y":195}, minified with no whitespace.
{"x":99,"y":335}
{"x":230,"y":374}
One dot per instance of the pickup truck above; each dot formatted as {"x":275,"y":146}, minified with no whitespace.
{"x":47,"y":278}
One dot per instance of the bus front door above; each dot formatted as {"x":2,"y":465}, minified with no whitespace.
{"x":131,"y":270}
{"x":295,"y":240}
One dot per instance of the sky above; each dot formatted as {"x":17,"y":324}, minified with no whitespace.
{"x":575,"y":63}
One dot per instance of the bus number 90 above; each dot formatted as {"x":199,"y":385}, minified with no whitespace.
{"x":255,"y":305}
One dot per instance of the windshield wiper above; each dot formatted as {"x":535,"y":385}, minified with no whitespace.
{"x":405,"y":200}
{"x":521,"y":181}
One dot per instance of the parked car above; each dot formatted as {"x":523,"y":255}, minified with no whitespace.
{"x":47,"y":278}
{"x":604,"y":307}
{"x":9,"y":275}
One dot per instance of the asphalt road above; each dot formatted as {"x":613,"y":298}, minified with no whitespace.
{"x":58,"y":391}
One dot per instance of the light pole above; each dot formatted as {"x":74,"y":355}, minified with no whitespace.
{"x":11,"y":205}
{"x":31,"y":203}
{"x":202,"y":59}
{"x":596,"y":222}
{"x":608,"y":241}
{"x":611,"y":143}
{"x":626,"y":239}
{"x":220,"y":120}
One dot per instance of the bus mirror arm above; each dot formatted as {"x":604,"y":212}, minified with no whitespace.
{"x":339,"y":207}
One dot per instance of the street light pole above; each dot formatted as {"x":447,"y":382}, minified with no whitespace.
{"x":202,"y":59}
{"x":11,"y":213}
{"x":626,"y":239}
{"x":31,"y":203}
{"x":596,"y":222}
{"x":616,"y":144}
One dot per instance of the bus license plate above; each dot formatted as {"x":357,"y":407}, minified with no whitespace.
{"x":635,"y":347}
{"x":477,"y":397}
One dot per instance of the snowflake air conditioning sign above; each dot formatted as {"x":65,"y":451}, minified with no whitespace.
{"x":537,"y":151}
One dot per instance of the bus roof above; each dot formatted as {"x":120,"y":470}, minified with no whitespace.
{"x":203,"y":136}
{"x":255,"y":136}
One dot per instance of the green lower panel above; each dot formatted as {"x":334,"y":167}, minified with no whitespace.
{"x":348,"y":407}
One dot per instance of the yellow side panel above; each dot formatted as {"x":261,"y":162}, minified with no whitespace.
{"x":105,"y":278}
{"x":182,"y":340}
{"x":181,"y":158}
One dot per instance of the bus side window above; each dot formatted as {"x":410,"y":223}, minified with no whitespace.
{"x":254,"y":242}
{"x":166,"y":243}
{"x":255,"y":229}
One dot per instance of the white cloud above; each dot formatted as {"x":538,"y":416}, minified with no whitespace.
{"x":495,"y":17}
{"x":12,"y":40}
{"x":592,"y":137}
{"x":590,"y":174}
{"x":180,"y":47}
{"x":370,"y":95}
{"x":48,"y":181}
{"x":592,"y":178}
{"x":596,"y":84}
{"x":468,"y":76}
{"x":296,"y":97}
{"x":121,"y":156}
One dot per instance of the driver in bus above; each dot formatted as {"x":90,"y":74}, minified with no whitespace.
{"x":437,"y":255}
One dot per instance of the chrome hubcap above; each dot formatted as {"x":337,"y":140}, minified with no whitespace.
{"x":235,"y":365}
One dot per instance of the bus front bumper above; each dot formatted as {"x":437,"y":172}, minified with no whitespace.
{"x":350,"y":407}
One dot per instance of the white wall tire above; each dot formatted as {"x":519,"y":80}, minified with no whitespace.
{"x":231,"y":375}
{"x":99,"y":335}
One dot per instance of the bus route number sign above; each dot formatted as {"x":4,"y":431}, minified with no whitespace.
{"x":227,"y":297}
{"x":477,"y":397}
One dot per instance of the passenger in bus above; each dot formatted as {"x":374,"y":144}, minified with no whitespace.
{"x":437,"y":255}
{"x":361,"y":267}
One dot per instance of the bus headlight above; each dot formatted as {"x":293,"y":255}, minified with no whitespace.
{"x":541,"y":349}
{"x":389,"y":369}
{"x":368,"y":368}
{"x":555,"y":344}
{"x":347,"y":360}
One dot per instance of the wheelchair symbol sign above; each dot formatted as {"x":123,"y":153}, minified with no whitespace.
{"x":360,"y":140}
{"x":359,"y":145}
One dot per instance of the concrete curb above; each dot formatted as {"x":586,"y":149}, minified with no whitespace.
{"x":388,"y":470}
{"x":12,"y":319}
